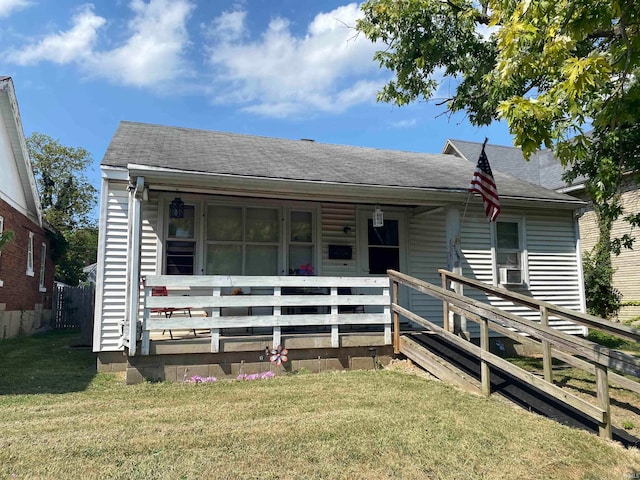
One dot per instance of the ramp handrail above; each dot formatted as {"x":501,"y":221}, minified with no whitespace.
{"x":580,"y":318}
{"x":597,"y":357}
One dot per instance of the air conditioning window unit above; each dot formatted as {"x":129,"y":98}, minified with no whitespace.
{"x":510,"y":276}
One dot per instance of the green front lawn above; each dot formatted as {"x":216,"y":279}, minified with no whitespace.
{"x":59,"y":419}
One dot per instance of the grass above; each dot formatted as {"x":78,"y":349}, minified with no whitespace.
{"x":60,"y":419}
{"x":611,"y":341}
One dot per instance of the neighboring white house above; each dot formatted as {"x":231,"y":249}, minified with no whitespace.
{"x":268,"y":206}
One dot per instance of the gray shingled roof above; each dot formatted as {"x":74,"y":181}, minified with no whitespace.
{"x":191,"y":150}
{"x":543,"y":168}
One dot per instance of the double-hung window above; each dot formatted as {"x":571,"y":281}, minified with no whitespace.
{"x":510,"y":252}
{"x":301,"y":242}
{"x":30,"y":271}
{"x":242,"y":240}
{"x":43,"y":267}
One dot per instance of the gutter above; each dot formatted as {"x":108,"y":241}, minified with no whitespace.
{"x":166,"y":179}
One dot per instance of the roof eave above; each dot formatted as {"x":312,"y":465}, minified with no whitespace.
{"x":167,"y":179}
{"x":19,"y":147}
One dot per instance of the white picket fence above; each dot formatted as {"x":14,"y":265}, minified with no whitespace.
{"x":232,"y":302}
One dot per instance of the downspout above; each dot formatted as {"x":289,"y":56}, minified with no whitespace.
{"x":133,"y":263}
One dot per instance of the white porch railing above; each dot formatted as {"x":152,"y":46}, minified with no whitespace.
{"x":275,"y":302}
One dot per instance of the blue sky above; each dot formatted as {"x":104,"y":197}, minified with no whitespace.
{"x":281,"y":68}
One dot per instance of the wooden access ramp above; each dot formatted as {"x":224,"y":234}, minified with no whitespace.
{"x":450,"y":356}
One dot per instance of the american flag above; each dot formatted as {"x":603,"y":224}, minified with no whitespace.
{"x":482,"y":182}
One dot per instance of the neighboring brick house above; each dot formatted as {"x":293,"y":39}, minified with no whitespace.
{"x":545,"y":170}
{"x":26,"y":269}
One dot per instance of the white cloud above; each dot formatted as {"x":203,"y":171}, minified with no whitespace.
{"x":228,"y":27}
{"x":64,"y":47}
{"x":329,"y":69}
{"x":7,"y":7}
{"x":404,"y":123}
{"x":153,"y":51}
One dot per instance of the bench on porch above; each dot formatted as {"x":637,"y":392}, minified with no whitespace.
{"x":274,"y":303}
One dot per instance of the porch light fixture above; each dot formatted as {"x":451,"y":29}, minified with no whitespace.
{"x":378,"y":217}
{"x":176,"y":208}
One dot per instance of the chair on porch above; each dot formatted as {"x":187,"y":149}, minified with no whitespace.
{"x":167,"y":311}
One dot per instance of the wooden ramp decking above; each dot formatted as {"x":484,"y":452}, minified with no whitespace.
{"x":454,"y":365}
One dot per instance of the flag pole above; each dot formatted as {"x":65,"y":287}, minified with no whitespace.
{"x":486,"y":139}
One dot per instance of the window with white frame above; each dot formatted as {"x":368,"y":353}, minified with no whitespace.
{"x":242,"y":240}
{"x":43,"y":267}
{"x":180,"y":248}
{"x":301,"y":246}
{"x":510,"y":251}
{"x":30,"y":271}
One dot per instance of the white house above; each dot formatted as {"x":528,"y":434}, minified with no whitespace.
{"x":269,"y":207}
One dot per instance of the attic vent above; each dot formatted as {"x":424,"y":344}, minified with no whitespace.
{"x":307,"y":140}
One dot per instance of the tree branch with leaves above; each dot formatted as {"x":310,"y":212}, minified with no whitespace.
{"x":562,"y":74}
{"x":67,"y":198}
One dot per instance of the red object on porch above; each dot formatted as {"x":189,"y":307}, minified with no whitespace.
{"x":168,"y":311}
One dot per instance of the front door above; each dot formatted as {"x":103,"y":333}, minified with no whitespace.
{"x":381,"y":248}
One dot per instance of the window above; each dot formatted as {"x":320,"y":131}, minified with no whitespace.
{"x":30,"y":255}
{"x":301,"y":245}
{"x":242,"y":240}
{"x":509,"y":252}
{"x":43,"y":265}
{"x":180,"y":251}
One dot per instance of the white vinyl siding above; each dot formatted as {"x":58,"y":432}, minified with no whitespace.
{"x":550,"y":258}
{"x":553,"y":265}
{"x":110,"y":306}
{"x":427,"y":254}
{"x":149,"y":245}
{"x":335,"y":217}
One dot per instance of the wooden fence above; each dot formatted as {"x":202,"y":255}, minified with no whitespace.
{"x":594,"y":358}
{"x":73,"y":307}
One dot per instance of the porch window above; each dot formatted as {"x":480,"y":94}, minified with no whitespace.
{"x":509,"y":252}
{"x":181,"y":244}
{"x":30,"y":271}
{"x":242,"y":240}
{"x":301,"y":245}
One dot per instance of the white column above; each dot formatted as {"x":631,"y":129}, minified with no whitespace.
{"x":133,"y":262}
